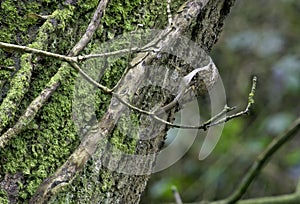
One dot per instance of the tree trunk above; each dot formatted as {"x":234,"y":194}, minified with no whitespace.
{"x":40,"y":149}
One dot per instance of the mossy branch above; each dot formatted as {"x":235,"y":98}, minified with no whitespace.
{"x":18,"y":87}
{"x":129,"y":84}
{"x":54,"y":82}
{"x":21,"y":80}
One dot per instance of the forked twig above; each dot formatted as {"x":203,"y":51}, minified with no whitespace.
{"x":211,"y":122}
{"x":52,"y":85}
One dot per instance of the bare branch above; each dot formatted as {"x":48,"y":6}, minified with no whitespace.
{"x":224,"y":111}
{"x":92,"y":27}
{"x":90,"y":142}
{"x":35,"y":51}
{"x":69,"y":58}
{"x":89,"y":79}
{"x":150,"y":47}
{"x":54,"y":82}
{"x":211,"y":122}
{"x":112,"y":53}
{"x":204,"y":126}
{"x":132,"y":106}
{"x":262,"y":159}
{"x":244,"y":112}
{"x":87,"y":36}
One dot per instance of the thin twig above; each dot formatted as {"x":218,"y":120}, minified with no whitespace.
{"x":149,"y":47}
{"x":170,"y":20}
{"x":35,"y":51}
{"x":72,"y":59}
{"x":132,"y":106}
{"x":214,"y":118}
{"x":69,"y":58}
{"x":52,"y":85}
{"x":113,"y":53}
{"x":211,"y":122}
{"x":89,"y":79}
{"x":153,"y":115}
{"x":244,"y":112}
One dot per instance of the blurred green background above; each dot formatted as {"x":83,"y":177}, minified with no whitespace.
{"x":260,"y":38}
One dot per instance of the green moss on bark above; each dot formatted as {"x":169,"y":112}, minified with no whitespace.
{"x":18,"y":87}
{"x":121,"y":17}
{"x":50,"y":138}
{"x":3,"y":197}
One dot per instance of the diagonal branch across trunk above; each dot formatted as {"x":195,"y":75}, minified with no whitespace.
{"x":129,"y":85}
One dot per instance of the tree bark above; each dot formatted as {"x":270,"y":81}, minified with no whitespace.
{"x":50,"y":138}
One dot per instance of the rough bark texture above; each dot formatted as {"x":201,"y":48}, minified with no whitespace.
{"x":51,"y":137}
